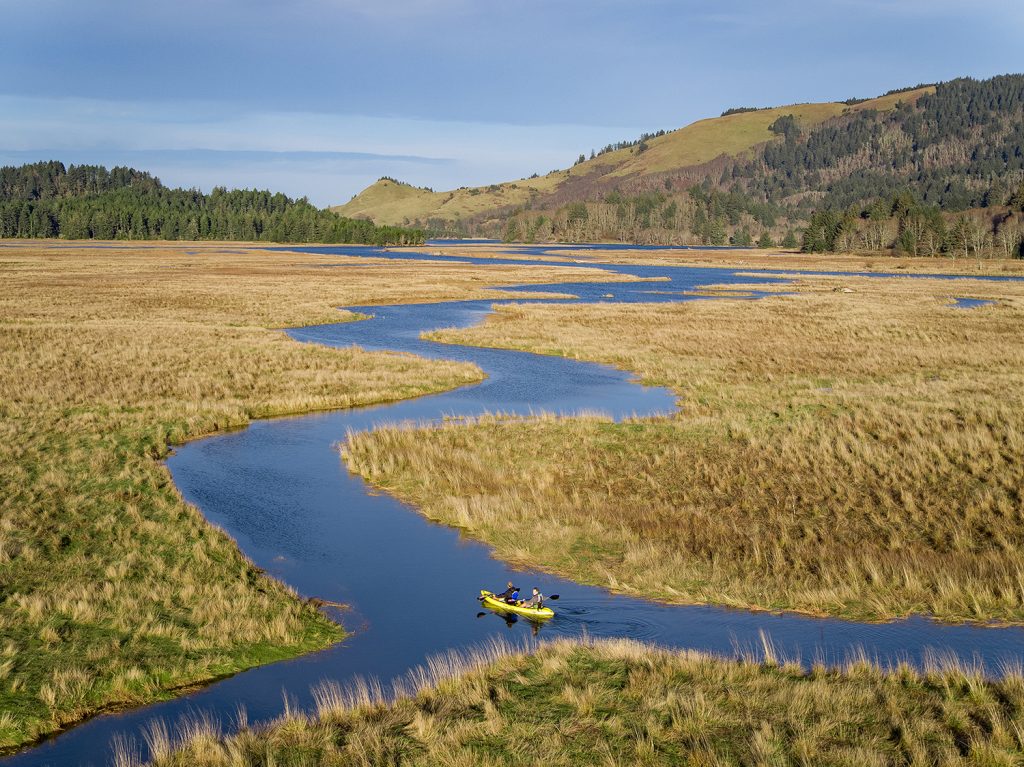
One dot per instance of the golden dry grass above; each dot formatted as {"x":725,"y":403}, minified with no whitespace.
{"x":855,"y":454}
{"x":624,"y":703}
{"x":112,"y":590}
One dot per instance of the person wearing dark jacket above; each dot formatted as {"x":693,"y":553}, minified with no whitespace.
{"x":510,"y":595}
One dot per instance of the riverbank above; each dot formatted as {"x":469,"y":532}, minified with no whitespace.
{"x":851,"y":450}
{"x":114,"y":591}
{"x":739,"y":258}
{"x":779,"y":260}
{"x":621,"y":702}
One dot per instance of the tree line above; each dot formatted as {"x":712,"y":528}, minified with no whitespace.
{"x":637,"y":142}
{"x":46,"y":200}
{"x":700,"y":215}
{"x":909,"y":226}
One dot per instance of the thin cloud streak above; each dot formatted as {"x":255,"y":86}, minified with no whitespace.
{"x":326,"y":157}
{"x":317,"y":176}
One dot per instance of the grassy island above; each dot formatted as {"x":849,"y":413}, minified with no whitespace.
{"x":852,"y":448}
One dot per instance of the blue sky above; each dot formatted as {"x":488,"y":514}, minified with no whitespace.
{"x":321,"y":97}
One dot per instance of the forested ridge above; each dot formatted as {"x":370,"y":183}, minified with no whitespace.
{"x":941,"y":172}
{"x":956,"y":148}
{"x":47,"y":199}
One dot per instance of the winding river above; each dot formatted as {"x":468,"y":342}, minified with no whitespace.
{"x":281,"y":490}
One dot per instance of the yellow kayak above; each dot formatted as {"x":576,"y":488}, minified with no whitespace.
{"x":538,"y":613}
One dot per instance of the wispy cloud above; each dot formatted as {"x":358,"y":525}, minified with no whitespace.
{"x":226,"y":157}
{"x":389,"y":9}
{"x":932,"y":8}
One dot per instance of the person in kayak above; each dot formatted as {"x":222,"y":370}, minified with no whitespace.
{"x":510,"y":595}
{"x":536,"y":601}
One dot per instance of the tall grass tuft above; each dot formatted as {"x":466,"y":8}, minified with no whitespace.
{"x":572,"y":702}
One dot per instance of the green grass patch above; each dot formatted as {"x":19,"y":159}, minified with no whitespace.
{"x":623,"y":703}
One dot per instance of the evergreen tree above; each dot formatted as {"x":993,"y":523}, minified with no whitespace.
{"x":742,"y":239}
{"x":823,"y":231}
{"x":715,"y":232}
{"x":82,"y":202}
{"x":1017,"y":201}
{"x":511,"y":231}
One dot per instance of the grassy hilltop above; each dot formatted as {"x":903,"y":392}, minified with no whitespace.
{"x":391,"y":202}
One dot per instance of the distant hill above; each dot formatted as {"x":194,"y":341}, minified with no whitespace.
{"x":47,"y":199}
{"x":689,"y":148}
{"x":753,"y":175}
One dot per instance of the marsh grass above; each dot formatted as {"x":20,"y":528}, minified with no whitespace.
{"x":853,"y":454}
{"x":112,"y":590}
{"x":619,"y":702}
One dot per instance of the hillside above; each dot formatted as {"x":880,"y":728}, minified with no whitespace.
{"x":48,"y":200}
{"x":391,"y":202}
{"x":759,"y":175}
